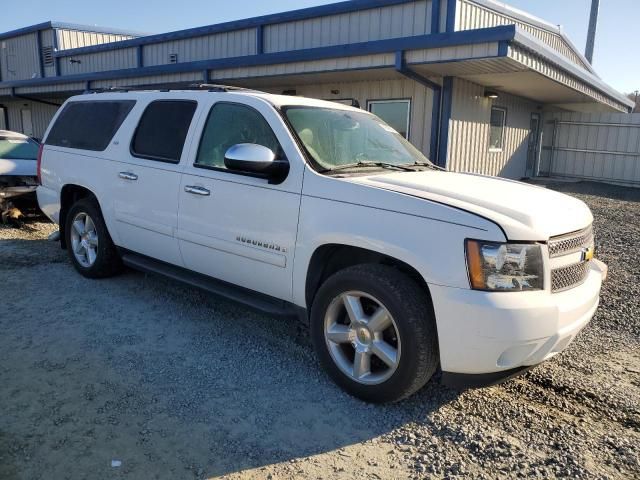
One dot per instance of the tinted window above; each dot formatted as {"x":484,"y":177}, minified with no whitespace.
{"x":163,"y":129}
{"x":498,"y":117}
{"x":18,"y":148}
{"x":89,"y":125}
{"x":229,"y":124}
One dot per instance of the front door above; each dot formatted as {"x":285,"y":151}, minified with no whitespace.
{"x":534,"y":142}
{"x":238,"y":228}
{"x":27,"y":123}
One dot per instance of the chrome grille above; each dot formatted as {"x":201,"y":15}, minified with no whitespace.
{"x":568,"y":277}
{"x":571,"y":242}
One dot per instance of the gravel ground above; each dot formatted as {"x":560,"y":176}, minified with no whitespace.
{"x":174,"y":383}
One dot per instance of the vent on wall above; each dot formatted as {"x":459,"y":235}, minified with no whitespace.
{"x":173,"y":58}
{"x":47,"y":56}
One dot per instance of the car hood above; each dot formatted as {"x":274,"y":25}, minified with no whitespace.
{"x":523,"y":211}
{"x":22,"y":168}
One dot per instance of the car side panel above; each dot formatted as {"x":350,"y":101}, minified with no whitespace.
{"x":431,"y":239}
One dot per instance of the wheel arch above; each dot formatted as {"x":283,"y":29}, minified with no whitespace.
{"x":330,"y":258}
{"x":70,"y":194}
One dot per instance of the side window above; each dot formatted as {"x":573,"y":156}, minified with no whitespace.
{"x":497,"y":123}
{"x":395,"y":113}
{"x":163,"y":129}
{"x":229,"y":124}
{"x":89,"y":125}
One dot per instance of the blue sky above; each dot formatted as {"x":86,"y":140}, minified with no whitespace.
{"x":615,"y":58}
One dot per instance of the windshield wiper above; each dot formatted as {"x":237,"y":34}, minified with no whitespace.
{"x":429,"y":165}
{"x":350,"y":166}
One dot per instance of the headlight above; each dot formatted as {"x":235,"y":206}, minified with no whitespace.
{"x":504,"y":266}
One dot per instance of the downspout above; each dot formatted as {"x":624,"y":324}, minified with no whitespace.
{"x":436,"y":109}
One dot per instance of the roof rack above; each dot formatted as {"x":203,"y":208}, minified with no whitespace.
{"x":209,"y":87}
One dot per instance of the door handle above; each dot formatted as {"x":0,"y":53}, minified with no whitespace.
{"x":128,"y":176}
{"x":197,"y":190}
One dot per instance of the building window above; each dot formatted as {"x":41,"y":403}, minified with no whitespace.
{"x":497,"y":124}
{"x":396,"y":113}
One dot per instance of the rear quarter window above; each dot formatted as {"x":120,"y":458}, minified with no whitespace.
{"x":163,"y":130}
{"x":89,"y":125}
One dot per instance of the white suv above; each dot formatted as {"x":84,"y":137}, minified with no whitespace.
{"x":302,"y":206}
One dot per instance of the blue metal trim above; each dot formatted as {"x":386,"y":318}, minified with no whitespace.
{"x":436,"y":113}
{"x":259,"y":39}
{"x":435,"y":16}
{"x":205,"y":75}
{"x":70,"y":26}
{"x":447,"y":105}
{"x":503,"y":48}
{"x":302,"y":14}
{"x":56,"y":66}
{"x":139,"y":56}
{"x":466,"y":37}
{"x":451,"y":15}
{"x":25,"y":30}
{"x":401,"y":67}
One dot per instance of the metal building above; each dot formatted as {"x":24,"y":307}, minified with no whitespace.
{"x":467,"y":81}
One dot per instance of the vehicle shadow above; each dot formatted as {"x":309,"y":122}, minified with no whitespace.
{"x":166,"y":377}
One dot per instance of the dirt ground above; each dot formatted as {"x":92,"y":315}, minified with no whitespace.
{"x":174,"y":383}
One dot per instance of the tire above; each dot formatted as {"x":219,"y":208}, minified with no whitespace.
{"x":411,"y":333}
{"x":105,"y":262}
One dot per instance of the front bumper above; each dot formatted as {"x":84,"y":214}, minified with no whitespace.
{"x":483,"y":333}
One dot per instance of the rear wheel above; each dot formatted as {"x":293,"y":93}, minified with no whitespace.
{"x":373,"y":331}
{"x":89,"y":244}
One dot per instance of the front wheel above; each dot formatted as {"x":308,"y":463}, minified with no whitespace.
{"x":89,"y":244}
{"x":373,"y":330}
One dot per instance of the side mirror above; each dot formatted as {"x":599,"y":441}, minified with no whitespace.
{"x":257,"y":160}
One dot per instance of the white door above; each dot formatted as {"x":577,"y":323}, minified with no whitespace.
{"x":234,"y":227}
{"x":27,"y":123}
{"x":146,"y":179}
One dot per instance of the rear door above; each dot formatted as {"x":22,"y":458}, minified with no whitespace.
{"x":231,"y":226}
{"x":145,"y":178}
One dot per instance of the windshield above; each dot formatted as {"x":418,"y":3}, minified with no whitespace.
{"x":335,"y":138}
{"x":18,"y":148}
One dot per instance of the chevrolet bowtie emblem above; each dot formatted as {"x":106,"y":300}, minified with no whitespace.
{"x":587,"y":254}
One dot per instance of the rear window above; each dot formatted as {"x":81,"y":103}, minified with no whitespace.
{"x":18,"y":148}
{"x":163,"y":129}
{"x":89,"y":125}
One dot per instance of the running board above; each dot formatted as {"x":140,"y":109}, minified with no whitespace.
{"x":258,"y":301}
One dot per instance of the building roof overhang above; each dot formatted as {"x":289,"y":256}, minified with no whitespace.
{"x":482,"y":55}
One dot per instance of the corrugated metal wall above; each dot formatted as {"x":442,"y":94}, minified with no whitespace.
{"x":595,"y":146}
{"x":471,"y":15}
{"x":19,"y":57}
{"x":469,"y":132}
{"x":41,"y":114}
{"x":99,"y":62}
{"x":220,"y":45}
{"x":367,"y":25}
{"x":68,"y":39}
{"x":46,"y":38}
{"x":421,"y":101}
{"x":331,"y":65}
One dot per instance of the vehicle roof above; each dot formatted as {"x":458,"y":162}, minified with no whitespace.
{"x":273,"y":99}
